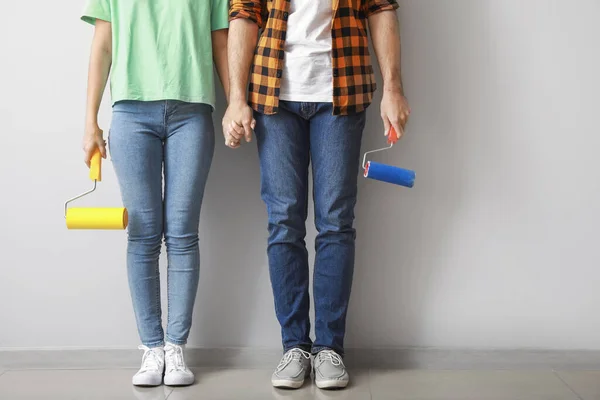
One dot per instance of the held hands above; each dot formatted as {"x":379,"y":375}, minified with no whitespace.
{"x":93,"y":139}
{"x":238,"y":124}
{"x":394,"y":111}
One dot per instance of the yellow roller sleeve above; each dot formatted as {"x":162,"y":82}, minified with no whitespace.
{"x":97,"y":218}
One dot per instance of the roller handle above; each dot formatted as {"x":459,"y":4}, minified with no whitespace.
{"x":392,"y":136}
{"x":96,"y":166}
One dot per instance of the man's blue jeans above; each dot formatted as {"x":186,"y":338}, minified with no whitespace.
{"x":288,"y":142}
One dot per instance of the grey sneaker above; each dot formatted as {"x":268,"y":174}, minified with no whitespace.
{"x":330,"y":371}
{"x":293,"y":368}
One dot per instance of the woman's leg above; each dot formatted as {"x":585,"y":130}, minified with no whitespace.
{"x":189,"y":148}
{"x":136,"y":149}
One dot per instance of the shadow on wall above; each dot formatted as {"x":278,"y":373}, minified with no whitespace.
{"x":234,"y":289}
{"x":405,"y":234}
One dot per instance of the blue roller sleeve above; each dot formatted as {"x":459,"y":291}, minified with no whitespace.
{"x":389,"y":174}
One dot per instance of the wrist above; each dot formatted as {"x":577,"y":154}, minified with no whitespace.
{"x":91,"y":122}
{"x":237,"y":100}
{"x":393,"y":88}
{"x":236,"y":95}
{"x":393,"y":84}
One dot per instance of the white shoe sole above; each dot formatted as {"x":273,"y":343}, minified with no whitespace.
{"x":147,"y":382}
{"x":332,"y":384}
{"x":287,"y":384}
{"x":178,"y":382}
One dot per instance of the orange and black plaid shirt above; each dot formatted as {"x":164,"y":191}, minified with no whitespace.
{"x":353,"y":78}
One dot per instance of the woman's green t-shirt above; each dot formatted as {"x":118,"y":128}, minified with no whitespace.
{"x":162,"y":49}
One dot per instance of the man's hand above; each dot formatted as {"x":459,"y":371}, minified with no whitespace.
{"x":394,"y":111}
{"x":238,"y":123}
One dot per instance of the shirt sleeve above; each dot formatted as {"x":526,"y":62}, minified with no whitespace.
{"x":219,"y":15}
{"x":247,"y":9}
{"x":375,"y":6}
{"x":96,"y":9}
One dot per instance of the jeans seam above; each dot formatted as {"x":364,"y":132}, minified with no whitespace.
{"x":166,"y":106}
{"x":158,"y":305}
{"x":168,"y":306}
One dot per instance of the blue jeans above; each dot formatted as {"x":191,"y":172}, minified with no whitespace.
{"x":287,"y":143}
{"x":146,"y":140}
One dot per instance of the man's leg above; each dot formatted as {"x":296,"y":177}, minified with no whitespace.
{"x":335,"y":151}
{"x":283,"y":146}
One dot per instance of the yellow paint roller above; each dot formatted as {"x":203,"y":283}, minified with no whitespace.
{"x":95,"y":218}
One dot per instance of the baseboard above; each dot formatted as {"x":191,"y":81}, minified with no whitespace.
{"x":397,"y":358}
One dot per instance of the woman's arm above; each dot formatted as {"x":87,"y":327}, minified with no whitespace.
{"x":99,"y":69}
{"x":219,"y":44}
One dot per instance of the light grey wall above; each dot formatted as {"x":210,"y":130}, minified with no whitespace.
{"x":496,"y":246}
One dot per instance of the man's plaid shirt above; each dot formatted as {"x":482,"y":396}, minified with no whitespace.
{"x":353,"y":78}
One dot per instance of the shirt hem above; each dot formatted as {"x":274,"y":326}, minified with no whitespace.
{"x":91,"y":18}
{"x":186,"y":99}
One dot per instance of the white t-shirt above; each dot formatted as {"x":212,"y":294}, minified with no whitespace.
{"x":307,"y":71}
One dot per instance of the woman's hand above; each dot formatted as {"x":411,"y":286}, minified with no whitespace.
{"x":93,"y":139}
{"x":238,"y":123}
{"x":231,"y":141}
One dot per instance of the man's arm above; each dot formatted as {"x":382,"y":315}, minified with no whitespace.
{"x":242,"y":43}
{"x":386,"y":42}
{"x":238,"y":121}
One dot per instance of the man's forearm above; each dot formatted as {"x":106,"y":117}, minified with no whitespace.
{"x":386,"y":42}
{"x":243,"y":36}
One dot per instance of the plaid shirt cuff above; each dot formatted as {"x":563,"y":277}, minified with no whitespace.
{"x":375,"y":6}
{"x":244,"y":9}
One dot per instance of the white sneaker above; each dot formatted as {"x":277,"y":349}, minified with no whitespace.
{"x":176,"y":372}
{"x":153,"y":366}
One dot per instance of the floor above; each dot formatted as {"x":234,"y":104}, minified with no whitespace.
{"x":250,"y":384}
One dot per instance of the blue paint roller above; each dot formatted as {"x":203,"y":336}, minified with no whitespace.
{"x":388,"y":173}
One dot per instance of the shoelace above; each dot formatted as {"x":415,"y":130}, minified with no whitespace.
{"x":332,"y":356}
{"x":175,"y":359}
{"x":150,"y":360}
{"x":292,"y":355}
